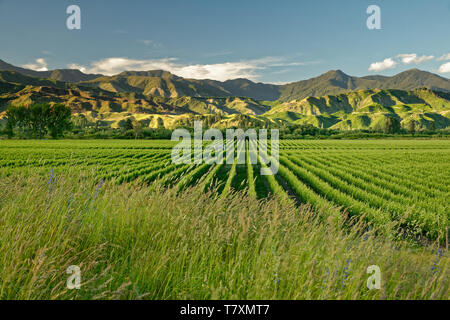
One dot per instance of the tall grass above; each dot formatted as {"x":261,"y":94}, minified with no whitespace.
{"x":132,"y":241}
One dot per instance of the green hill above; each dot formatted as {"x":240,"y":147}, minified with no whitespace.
{"x":367,"y":109}
{"x":162,"y":98}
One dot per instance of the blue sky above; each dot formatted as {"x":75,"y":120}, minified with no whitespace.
{"x":270,"y":41}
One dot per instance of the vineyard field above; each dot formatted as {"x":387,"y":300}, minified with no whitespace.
{"x":383,"y":180}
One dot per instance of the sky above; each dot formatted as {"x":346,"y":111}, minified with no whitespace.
{"x":266,"y":41}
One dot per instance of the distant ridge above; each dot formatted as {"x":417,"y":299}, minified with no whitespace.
{"x":336,"y":81}
{"x":66,"y":75}
{"x":165,"y":84}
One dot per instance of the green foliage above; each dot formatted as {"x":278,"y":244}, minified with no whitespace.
{"x":128,"y":124}
{"x":59,"y":120}
{"x":38,"y":119}
{"x":392,"y":125}
{"x":137,"y":128}
{"x":411,"y":127}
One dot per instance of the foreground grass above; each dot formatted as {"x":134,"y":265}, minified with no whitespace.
{"x":134,"y":242}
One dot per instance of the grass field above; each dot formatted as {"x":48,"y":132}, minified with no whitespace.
{"x":141,"y":227}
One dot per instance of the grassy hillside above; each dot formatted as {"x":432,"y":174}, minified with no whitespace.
{"x":164,"y":84}
{"x":170,"y":99}
{"x":367,"y":109}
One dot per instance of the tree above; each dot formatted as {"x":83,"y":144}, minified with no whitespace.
{"x":412,"y":127}
{"x":128,"y":124}
{"x":137,"y":128}
{"x":18,"y":117}
{"x":37,"y":119}
{"x":392,"y":125}
{"x":80,"y":121}
{"x":59,"y":120}
{"x":11,"y":116}
{"x":39,"y":115}
{"x":10,"y":125}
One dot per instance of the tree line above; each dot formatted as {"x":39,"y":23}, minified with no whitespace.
{"x":37,"y":120}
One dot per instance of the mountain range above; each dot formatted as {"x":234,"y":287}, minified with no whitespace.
{"x":333,"y":99}
{"x":165,"y":84}
{"x":67,"y":75}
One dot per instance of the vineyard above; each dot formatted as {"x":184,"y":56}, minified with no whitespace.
{"x":140,"y":227}
{"x":384,"y":181}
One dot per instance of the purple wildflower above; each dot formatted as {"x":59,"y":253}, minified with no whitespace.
{"x":98,"y":189}
{"x":347,"y":263}
{"x":434,"y":267}
{"x":51,"y":177}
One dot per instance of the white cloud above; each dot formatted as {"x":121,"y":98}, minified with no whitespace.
{"x":445,"y":68}
{"x":405,"y":58}
{"x":76,"y":66}
{"x":278,"y":83}
{"x":388,"y":63}
{"x":218,"y":71}
{"x":39,"y":65}
{"x":445,"y":57}
{"x":150,"y":43}
{"x":146,"y":42}
{"x":413,"y":58}
{"x":218,"y":54}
